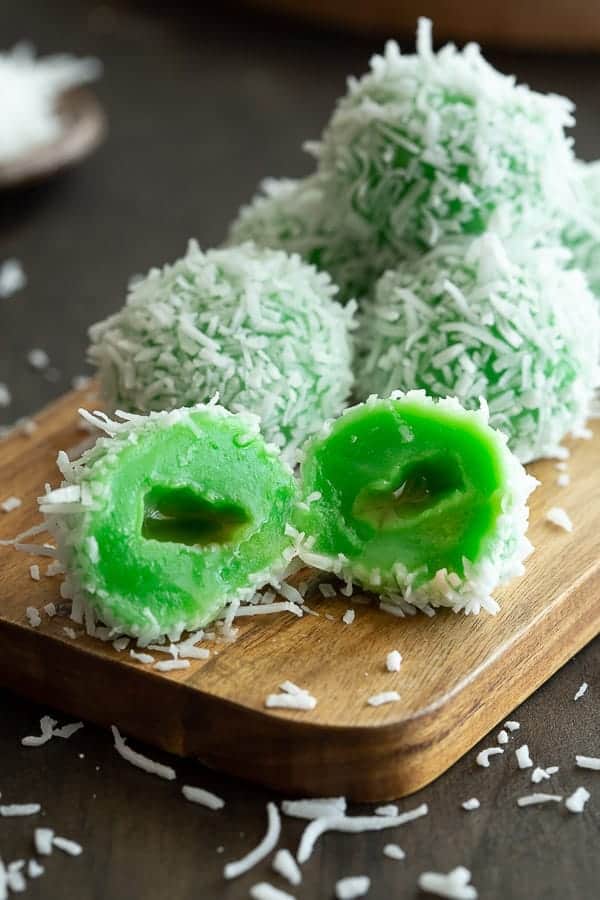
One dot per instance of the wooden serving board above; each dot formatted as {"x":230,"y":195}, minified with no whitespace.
{"x":459,"y":678}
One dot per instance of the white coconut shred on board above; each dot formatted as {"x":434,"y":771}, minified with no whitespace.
{"x":558,"y":516}
{"x":12,"y":276}
{"x":29,"y":91}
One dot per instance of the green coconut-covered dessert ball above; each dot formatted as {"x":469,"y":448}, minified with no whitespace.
{"x":170,"y":519}
{"x":259,"y":327}
{"x":418,"y":500}
{"x":582,"y":234}
{"x":467,"y":321}
{"x":294,"y":215}
{"x":430,"y":145}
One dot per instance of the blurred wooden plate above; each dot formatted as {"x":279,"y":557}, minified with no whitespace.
{"x":83,"y":128}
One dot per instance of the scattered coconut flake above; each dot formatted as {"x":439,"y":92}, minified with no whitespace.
{"x":512,"y":725}
{"x":15,"y":879}
{"x":351,"y":825}
{"x":67,"y":731}
{"x":348,"y":617}
{"x":5,"y":395}
{"x":288,"y":687}
{"x":576,"y":802}
{"x":20,"y":809}
{"x":303,"y":701}
{"x":34,"y":870}
{"x":265,"y":891}
{"x":473,"y":803}
{"x":34,"y":572}
{"x":47,"y":729}
{"x":393,"y":661}
{"x":563,"y":480}
{"x":38,"y":359}
{"x":327,"y":590}
{"x":202,"y":797}
{"x":42,"y":838}
{"x":390,"y":809}
{"x":539,"y":774}
{"x":524,"y":760}
{"x":581,"y":691}
{"x":140,"y":761}
{"x":168,"y":665}
{"x":121,"y":643}
{"x":12,"y":278}
{"x":314,"y":808}
{"x":558,"y":516}
{"x":33,"y":616}
{"x":266,"y":846}
{"x":534,"y":799}
{"x":67,"y":846}
{"x":483,"y":758}
{"x":286,"y":866}
{"x":70,"y":632}
{"x":454,"y":886}
{"x":588,"y":762}
{"x":50,"y":609}
{"x":502,"y":737}
{"x":352,"y":887}
{"x":383,"y":697}
{"x":10,"y":503}
{"x":393,"y":851}
{"x":144,"y":658}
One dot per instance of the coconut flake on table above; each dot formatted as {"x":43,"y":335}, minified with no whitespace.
{"x":314,"y":808}
{"x":540,"y":774}
{"x":535,"y":799}
{"x":576,"y":802}
{"x":48,"y":731}
{"x":351,"y":825}
{"x":42,"y":839}
{"x":502,"y":736}
{"x":262,"y":850}
{"x":38,"y":359}
{"x":352,"y":887}
{"x":483,"y":757}
{"x":70,"y":632}
{"x":50,"y":609}
{"x":34,"y":869}
{"x":393,"y":661}
{"x":202,"y":797}
{"x":5,"y":395}
{"x":524,"y":760}
{"x":558,"y":516}
{"x":12,"y":275}
{"x":15,"y":879}
{"x":454,"y":886}
{"x":383,"y":698}
{"x":390,"y":809}
{"x":265,"y":891}
{"x":473,"y":803}
{"x":19,"y":809}
{"x":286,"y":866}
{"x":394,"y":851}
{"x":170,"y":665}
{"x":139,"y":760}
{"x":563,"y":480}
{"x":581,"y":691}
{"x":144,"y":658}
{"x":10,"y":503}
{"x":348,"y":617}
{"x":34,"y":572}
{"x":33,"y":616}
{"x":67,"y":846}
{"x":512,"y":725}
{"x":294,"y":699}
{"x":588,"y":762}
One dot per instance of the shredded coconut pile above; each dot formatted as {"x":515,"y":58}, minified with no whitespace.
{"x":29,"y":90}
{"x":482,"y":319}
{"x":260,"y":328}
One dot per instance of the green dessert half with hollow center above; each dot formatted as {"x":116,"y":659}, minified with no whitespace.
{"x":418,"y":500}
{"x":171,"y":518}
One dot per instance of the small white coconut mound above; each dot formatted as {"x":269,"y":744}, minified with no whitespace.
{"x":258,"y":327}
{"x":478,"y":319}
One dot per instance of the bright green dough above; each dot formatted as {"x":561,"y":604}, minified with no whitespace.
{"x":405,"y":489}
{"x":180,"y":514}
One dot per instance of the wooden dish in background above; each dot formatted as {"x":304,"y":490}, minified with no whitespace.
{"x":83,"y":128}
{"x":528,"y":24}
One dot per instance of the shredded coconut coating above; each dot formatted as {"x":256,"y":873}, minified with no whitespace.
{"x":70,"y":511}
{"x":582,"y":233}
{"x":500,"y":560}
{"x":430,"y":145}
{"x":259,"y":327}
{"x":472,"y":320}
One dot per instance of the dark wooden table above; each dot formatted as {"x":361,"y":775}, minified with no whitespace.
{"x":200,"y":109}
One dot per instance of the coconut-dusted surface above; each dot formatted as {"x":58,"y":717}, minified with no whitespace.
{"x":170,"y":519}
{"x":476,"y":320}
{"x":417,"y":500}
{"x":582,"y":235}
{"x":259,"y":327}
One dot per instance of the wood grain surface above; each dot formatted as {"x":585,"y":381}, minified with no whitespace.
{"x":461,"y":675}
